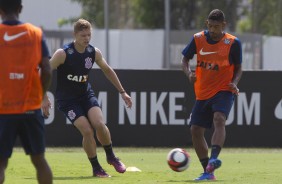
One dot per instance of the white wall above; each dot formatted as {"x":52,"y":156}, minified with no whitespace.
{"x":144,"y":49}
{"x":46,"y":13}
{"x":138,"y":49}
{"x":128,"y":48}
{"x":272,"y":59}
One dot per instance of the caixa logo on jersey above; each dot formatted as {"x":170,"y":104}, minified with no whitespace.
{"x":76,"y":78}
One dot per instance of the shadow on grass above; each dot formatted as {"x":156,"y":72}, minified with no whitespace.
{"x":68,"y":178}
{"x":193,"y":181}
{"x":73,"y":178}
{"x":80,"y":177}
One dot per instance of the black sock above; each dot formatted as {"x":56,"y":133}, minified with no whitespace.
{"x":215,"y":150}
{"x":204,"y":163}
{"x":94,"y":162}
{"x":109,"y":150}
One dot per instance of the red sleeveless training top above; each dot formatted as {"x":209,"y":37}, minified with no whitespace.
{"x":214,"y":71}
{"x":20,"y":55}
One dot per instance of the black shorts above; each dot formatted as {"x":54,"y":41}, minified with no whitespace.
{"x":203,"y":110}
{"x":30,"y":129}
{"x":75,"y":108}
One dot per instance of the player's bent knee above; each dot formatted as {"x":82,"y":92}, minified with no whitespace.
{"x":87,"y":132}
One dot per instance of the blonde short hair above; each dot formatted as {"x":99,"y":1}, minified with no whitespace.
{"x":80,"y":25}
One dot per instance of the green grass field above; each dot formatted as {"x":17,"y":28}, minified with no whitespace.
{"x":70,"y":166}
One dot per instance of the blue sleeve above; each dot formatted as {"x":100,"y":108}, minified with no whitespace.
{"x":45,"y":51}
{"x":236,"y":52}
{"x":190,"y":50}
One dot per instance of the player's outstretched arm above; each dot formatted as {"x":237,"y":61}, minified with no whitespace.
{"x":111,"y":75}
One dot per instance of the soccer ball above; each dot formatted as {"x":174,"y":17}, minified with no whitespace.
{"x":178,"y":159}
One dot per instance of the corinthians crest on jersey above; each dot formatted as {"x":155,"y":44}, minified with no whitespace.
{"x":227,"y":41}
{"x":88,"y":63}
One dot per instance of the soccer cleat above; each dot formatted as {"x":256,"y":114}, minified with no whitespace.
{"x":205,"y":176}
{"x":213,"y":165}
{"x":99,"y":172}
{"x":118,"y":165}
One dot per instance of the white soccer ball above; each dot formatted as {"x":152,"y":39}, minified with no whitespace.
{"x":178,"y":159}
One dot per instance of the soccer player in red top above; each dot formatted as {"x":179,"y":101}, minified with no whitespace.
{"x":25,"y":75}
{"x":218,"y":71}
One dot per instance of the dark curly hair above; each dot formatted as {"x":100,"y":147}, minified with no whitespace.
{"x":216,"y":15}
{"x":10,"y":6}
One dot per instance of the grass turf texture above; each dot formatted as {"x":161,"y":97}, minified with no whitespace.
{"x":70,"y":166}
